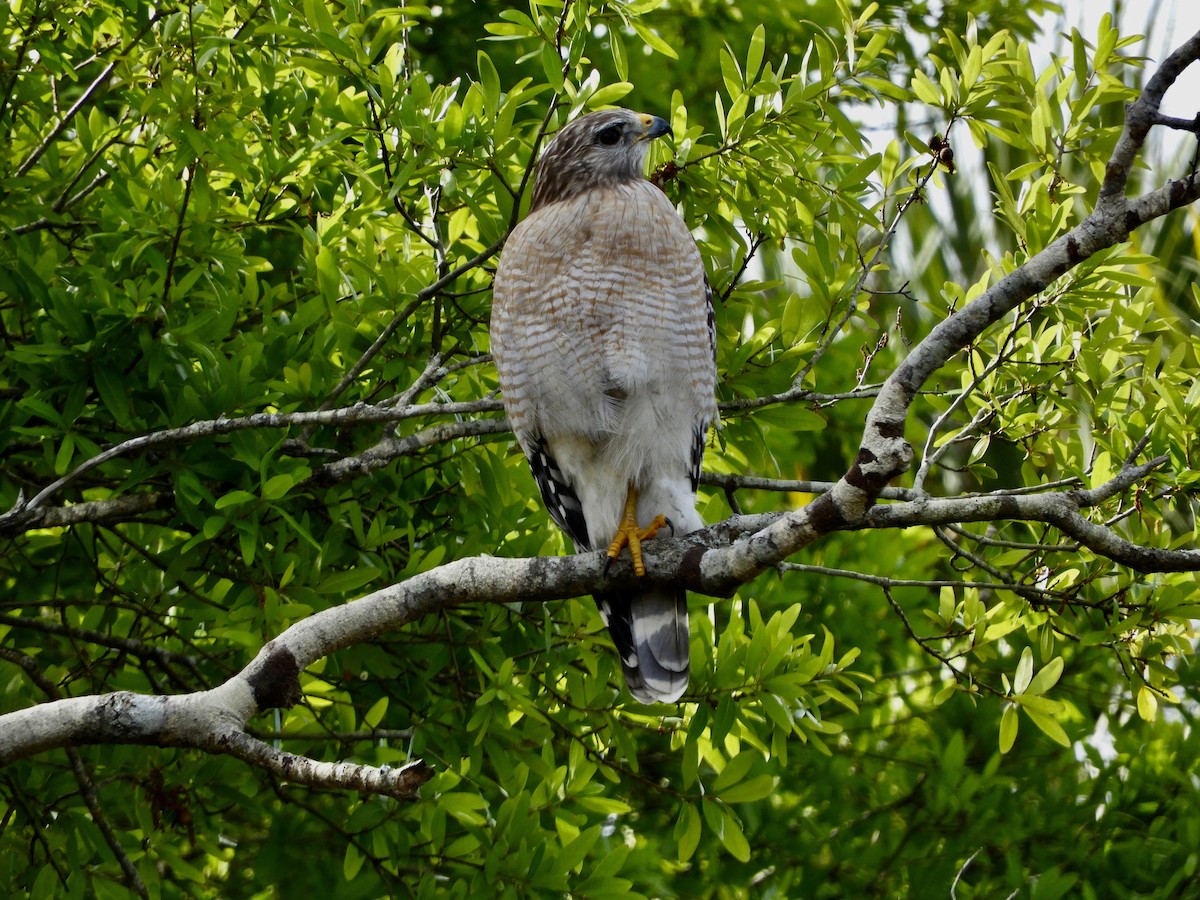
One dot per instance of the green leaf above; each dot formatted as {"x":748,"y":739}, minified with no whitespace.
{"x":347,"y":581}
{"x":489,"y":81}
{"x":317,"y":15}
{"x":1008,"y":727}
{"x":1024,"y":674}
{"x":464,"y":806}
{"x":620,"y":59}
{"x":609,"y":94}
{"x":735,"y":770}
{"x":375,"y":714}
{"x":750,"y":790}
{"x":1046,"y":677}
{"x":1147,"y":703}
{"x":652,"y":40}
{"x":878,"y":41}
{"x":945,"y":692}
{"x":1049,"y":726}
{"x":352,"y":861}
{"x":277,"y":486}
{"x":687,"y":831}
{"x":114,"y":392}
{"x":925,"y":90}
{"x":606,"y":805}
{"x":62,"y":458}
{"x":47,"y":882}
{"x":234,"y":498}
{"x":754,"y":53}
{"x":572,"y":855}
{"x":1106,"y":43}
{"x":733,"y":838}
{"x":552,"y":66}
{"x":1054,"y":884}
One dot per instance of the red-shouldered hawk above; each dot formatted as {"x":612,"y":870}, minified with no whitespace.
{"x":602,"y":332}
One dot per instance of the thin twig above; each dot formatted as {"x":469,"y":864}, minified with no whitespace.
{"x":91,"y":798}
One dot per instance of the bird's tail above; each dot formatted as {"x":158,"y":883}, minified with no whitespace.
{"x":650,"y":631}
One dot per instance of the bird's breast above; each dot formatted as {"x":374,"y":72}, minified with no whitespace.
{"x":606,"y":294}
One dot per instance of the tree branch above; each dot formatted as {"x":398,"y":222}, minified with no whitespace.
{"x":215,"y":720}
{"x":26,"y":515}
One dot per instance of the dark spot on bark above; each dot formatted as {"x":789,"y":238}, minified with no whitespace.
{"x":1179,"y":190}
{"x":1073,"y":250}
{"x":855,"y":476}
{"x":890,"y":428}
{"x":689,"y":570}
{"x":1131,"y":220}
{"x":276,"y":683}
{"x":823,"y":514}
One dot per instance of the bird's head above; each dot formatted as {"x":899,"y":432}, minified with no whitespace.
{"x":599,"y":149}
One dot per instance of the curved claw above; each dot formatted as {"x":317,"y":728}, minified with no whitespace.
{"x":630,"y":534}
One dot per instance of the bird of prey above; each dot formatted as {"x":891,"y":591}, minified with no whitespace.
{"x":602,"y":333}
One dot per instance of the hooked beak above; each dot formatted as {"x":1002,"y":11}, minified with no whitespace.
{"x":655,"y":127}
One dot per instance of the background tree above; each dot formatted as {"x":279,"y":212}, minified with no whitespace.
{"x":244,"y":285}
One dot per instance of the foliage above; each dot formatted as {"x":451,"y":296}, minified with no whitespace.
{"x":220,"y":210}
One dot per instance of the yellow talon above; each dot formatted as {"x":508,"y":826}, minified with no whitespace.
{"x":629,"y":532}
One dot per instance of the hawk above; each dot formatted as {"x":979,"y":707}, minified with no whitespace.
{"x":602,"y":333}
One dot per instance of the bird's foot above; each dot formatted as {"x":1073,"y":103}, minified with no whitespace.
{"x":630,"y":534}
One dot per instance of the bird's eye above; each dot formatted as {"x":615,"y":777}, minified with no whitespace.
{"x":609,"y":136}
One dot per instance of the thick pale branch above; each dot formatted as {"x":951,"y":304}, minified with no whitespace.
{"x":215,"y":720}
{"x":1059,"y":510}
{"x":754,"y":541}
